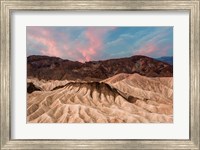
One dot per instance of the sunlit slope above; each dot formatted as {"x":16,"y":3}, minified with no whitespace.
{"x":121,"y":98}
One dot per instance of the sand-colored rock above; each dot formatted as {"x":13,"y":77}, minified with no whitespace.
{"x":124,"y":98}
{"x":154,"y":93}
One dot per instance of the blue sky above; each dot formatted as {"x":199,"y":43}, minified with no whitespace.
{"x":99,"y":43}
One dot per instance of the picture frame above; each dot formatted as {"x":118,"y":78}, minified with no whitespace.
{"x":7,"y":7}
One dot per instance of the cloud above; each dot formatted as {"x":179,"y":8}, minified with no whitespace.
{"x":93,"y":48}
{"x":149,"y":41}
{"x":97,"y":43}
{"x":44,"y":38}
{"x":147,"y":49}
{"x":156,"y":44}
{"x":85,"y":46}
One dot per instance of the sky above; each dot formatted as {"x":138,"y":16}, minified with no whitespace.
{"x":98,"y":43}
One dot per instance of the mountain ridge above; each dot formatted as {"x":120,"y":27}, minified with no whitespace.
{"x":55,"y":68}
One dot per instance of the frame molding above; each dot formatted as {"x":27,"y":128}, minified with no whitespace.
{"x":7,"y":7}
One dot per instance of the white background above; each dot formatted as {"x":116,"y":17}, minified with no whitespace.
{"x":179,"y":129}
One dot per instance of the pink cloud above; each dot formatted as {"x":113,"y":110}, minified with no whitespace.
{"x":164,"y":50}
{"x":95,"y":37}
{"x":56,"y":43}
{"x":147,"y":49}
{"x":153,"y":49}
{"x":44,"y":37}
{"x":155,"y":46}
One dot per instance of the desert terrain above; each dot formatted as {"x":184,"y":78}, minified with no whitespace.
{"x":137,"y":89}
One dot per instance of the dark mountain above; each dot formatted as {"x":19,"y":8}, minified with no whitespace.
{"x":167,"y":59}
{"x":54,"y":68}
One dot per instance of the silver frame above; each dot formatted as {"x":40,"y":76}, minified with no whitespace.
{"x":7,"y":6}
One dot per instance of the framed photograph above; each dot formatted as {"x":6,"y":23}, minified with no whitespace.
{"x":99,"y":74}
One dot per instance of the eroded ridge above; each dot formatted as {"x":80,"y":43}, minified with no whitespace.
{"x":129,"y":98}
